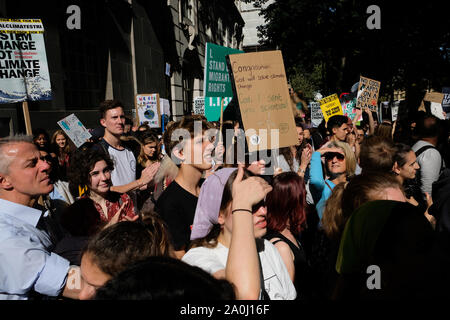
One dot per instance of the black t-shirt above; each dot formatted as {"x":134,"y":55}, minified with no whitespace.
{"x":176,"y":206}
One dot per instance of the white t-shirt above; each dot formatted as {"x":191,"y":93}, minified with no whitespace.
{"x":277,"y":282}
{"x":124,"y":166}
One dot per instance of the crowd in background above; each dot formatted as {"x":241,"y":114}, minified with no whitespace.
{"x":135,"y":216}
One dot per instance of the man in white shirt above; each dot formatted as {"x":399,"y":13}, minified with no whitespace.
{"x":428,"y":158}
{"x":124,"y":174}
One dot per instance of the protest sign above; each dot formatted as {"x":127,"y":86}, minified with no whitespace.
{"x":436,"y":97}
{"x":24,"y":72}
{"x":164,"y":106}
{"x":148,"y":109}
{"x":316,"y":114}
{"x":349,"y":108}
{"x":436,"y":110}
{"x":75,"y":130}
{"x":446,"y":101}
{"x":394,"y":110}
{"x":260,"y":82}
{"x":217,"y":84}
{"x":330,"y":106}
{"x":368,"y":90}
{"x":199,"y":105}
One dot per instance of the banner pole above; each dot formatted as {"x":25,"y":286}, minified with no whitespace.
{"x":26,"y":115}
{"x":221,"y":119}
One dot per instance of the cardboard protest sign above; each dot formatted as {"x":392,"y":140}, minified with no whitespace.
{"x":330,"y":106}
{"x":199,"y":105}
{"x":24,"y":72}
{"x":148,"y":109}
{"x":217,"y":84}
{"x":368,"y":90}
{"x":261,"y":87}
{"x":316,"y":114}
{"x":436,"y":97}
{"x":75,"y":130}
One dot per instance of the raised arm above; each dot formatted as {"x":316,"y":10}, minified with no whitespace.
{"x":242,"y":268}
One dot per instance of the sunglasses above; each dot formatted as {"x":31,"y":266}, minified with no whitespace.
{"x":256,"y":207}
{"x":330,"y":156}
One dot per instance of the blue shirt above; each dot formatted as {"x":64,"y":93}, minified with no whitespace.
{"x":318,"y":185}
{"x":25,"y":261}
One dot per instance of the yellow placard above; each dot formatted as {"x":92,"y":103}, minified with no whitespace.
{"x":331,"y":106}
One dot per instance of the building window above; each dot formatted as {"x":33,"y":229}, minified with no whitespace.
{"x":188,"y":93}
{"x":187,"y":11}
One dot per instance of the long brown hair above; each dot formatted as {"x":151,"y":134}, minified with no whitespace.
{"x":333,"y":219}
{"x":55,"y":147}
{"x":145,"y":139}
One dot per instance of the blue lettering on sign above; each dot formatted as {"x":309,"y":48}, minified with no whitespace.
{"x":65,"y":125}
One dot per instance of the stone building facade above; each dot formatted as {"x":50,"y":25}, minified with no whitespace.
{"x":123,"y":47}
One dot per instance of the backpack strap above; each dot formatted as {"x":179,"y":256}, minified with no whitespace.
{"x":425,"y":148}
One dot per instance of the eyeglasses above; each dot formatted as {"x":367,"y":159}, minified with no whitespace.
{"x":330,"y":156}
{"x":47,"y":159}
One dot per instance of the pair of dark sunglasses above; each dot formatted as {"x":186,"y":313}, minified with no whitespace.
{"x":260,"y":204}
{"x":330,"y":156}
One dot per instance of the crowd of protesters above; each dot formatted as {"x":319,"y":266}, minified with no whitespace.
{"x":354,"y":210}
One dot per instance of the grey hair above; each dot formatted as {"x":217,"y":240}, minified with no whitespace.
{"x":5,"y":160}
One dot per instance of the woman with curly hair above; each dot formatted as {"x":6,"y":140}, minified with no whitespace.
{"x":91,"y":169}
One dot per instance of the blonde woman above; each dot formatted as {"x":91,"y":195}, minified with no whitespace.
{"x":340,"y":163}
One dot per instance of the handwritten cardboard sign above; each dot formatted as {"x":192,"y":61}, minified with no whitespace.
{"x":75,"y":130}
{"x":368,"y":91}
{"x":148,"y":109}
{"x":330,"y":106}
{"x":261,"y":87}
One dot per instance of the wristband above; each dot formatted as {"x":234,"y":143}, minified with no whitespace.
{"x":248,"y":210}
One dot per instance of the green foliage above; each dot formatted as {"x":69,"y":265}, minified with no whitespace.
{"x":308,"y":82}
{"x":409,"y":52}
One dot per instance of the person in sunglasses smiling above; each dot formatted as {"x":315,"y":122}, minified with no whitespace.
{"x":340,"y":164}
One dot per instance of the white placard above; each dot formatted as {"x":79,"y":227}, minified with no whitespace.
{"x":75,"y":130}
{"x":199,"y":105}
{"x":436,"y":109}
